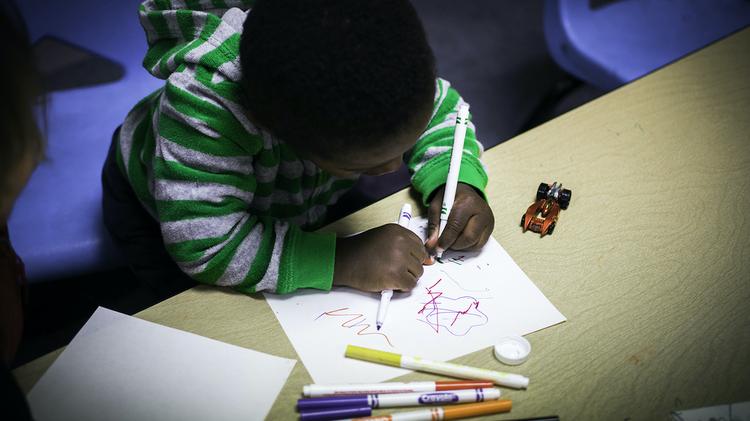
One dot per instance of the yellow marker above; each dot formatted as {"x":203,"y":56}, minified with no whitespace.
{"x":516,"y":381}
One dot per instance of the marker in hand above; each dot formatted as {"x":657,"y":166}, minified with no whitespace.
{"x":404,"y":217}
{"x":451,"y":183}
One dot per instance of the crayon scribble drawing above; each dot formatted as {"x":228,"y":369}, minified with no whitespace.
{"x":356,"y":321}
{"x":457,"y":307}
{"x":454,"y":315}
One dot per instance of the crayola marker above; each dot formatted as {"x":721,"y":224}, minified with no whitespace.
{"x":404,"y":217}
{"x":319,"y":390}
{"x":438,"y":367}
{"x":389,"y":400}
{"x":451,"y":183}
{"x":448,"y":413}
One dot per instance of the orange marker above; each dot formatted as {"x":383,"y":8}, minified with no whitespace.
{"x":453,"y":412}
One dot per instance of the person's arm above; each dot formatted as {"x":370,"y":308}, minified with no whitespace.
{"x":430,"y":157}
{"x":204,"y":186}
{"x":470,"y":222}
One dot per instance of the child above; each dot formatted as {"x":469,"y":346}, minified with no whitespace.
{"x":266,"y":118}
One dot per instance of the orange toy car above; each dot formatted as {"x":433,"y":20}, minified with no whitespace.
{"x":542,"y":215}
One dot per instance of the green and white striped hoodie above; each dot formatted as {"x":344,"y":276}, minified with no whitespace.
{"x":232,"y":200}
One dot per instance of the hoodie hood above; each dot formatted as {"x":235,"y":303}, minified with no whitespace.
{"x":202,"y":35}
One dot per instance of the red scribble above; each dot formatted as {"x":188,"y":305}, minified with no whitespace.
{"x":435,"y":310}
{"x":433,"y":296}
{"x":356,"y":320}
{"x":474,"y":304}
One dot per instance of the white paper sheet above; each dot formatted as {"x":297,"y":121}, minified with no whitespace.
{"x":123,"y":368}
{"x":460,"y":306}
{"x":733,"y":412}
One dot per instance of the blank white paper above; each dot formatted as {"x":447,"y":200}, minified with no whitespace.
{"x":460,"y":306}
{"x":123,"y":368}
{"x":739,"y":411}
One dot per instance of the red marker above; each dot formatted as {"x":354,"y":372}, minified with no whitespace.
{"x":318,"y":390}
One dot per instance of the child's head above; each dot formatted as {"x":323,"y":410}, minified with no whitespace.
{"x":21,"y":144}
{"x":348,"y":83}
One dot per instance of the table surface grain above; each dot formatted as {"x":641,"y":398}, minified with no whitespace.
{"x":650,"y":263}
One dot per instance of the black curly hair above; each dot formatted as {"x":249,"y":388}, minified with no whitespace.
{"x":327,"y":75}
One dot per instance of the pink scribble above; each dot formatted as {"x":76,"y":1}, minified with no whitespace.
{"x":433,"y":301}
{"x":433,"y":310}
{"x":475,"y":304}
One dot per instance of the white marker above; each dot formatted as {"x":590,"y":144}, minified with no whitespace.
{"x":434,"y":398}
{"x":393,"y":400}
{"x":320,"y":390}
{"x":459,"y":134}
{"x":385,"y":297}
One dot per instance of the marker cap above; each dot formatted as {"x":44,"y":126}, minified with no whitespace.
{"x":513,"y":350}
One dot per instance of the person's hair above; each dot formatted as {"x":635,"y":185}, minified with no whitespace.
{"x":21,"y":93}
{"x":335,"y":75}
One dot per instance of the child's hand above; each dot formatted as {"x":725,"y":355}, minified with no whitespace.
{"x":386,"y":257}
{"x":470,"y":222}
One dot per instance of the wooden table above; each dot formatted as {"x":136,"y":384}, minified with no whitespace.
{"x":651,"y":262}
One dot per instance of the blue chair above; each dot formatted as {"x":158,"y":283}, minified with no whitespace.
{"x":56,"y":226}
{"x":609,"y":43}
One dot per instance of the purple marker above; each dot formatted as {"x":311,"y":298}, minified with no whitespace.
{"x":391,"y":400}
{"x":385,"y":296}
{"x":325,"y":414}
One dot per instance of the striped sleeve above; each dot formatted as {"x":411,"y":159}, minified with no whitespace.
{"x":430,"y":157}
{"x":177,"y":28}
{"x":203,"y":190}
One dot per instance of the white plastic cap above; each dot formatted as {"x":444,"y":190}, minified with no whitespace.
{"x":513,"y":350}
{"x":463,"y":111}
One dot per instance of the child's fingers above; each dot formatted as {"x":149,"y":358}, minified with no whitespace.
{"x":457,"y":220}
{"x":407,"y":283}
{"x":420,"y":254}
{"x":415,"y":271}
{"x":486,"y":235}
{"x":473,"y":233}
{"x":433,"y":221}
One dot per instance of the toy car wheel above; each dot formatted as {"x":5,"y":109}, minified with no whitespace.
{"x":551,"y":228}
{"x":565,"y":198}
{"x":523,"y":220}
{"x":541,"y":192}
